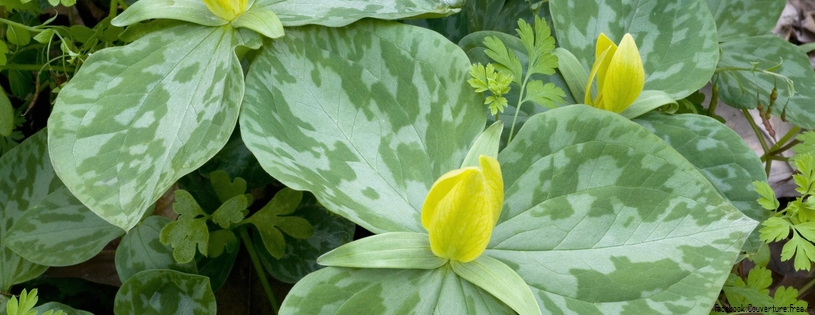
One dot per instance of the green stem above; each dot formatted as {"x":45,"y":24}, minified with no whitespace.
{"x":258,"y":268}
{"x":36,"y":68}
{"x":760,"y":136}
{"x":714,"y":100}
{"x":18,"y":25}
{"x":114,"y":8}
{"x":520,"y":102}
{"x":806,"y":287}
{"x":782,"y":143}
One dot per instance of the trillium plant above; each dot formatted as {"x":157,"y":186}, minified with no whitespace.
{"x":505,"y":156}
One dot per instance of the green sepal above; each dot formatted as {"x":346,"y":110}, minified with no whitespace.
{"x":397,"y":250}
{"x":193,"y":11}
{"x":500,"y":280}
{"x":486,"y":144}
{"x":648,"y":101}
{"x":261,"y":20}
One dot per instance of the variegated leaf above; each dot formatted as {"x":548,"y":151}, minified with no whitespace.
{"x":744,"y":18}
{"x":388,"y":291}
{"x":336,"y":13}
{"x":742,"y":88}
{"x":141,"y":250}
{"x":26,"y":179}
{"x":720,"y":154}
{"x":60,"y":231}
{"x":676,"y":39}
{"x":365,"y":117}
{"x":603,"y":217}
{"x":170,"y":291}
{"x":136,"y":118}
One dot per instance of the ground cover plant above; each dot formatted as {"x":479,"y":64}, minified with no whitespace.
{"x":506,"y":156}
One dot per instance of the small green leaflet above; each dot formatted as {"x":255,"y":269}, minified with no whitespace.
{"x":539,"y":46}
{"x":755,"y":291}
{"x":505,"y":58}
{"x":189,"y":231}
{"x":803,"y":250}
{"x":767,"y":199}
{"x":775,"y":229}
{"x":488,"y":79}
{"x":226,"y":188}
{"x":25,"y":305}
{"x":273,"y":218}
{"x":805,"y":164}
{"x":807,"y":144}
{"x":231,"y":211}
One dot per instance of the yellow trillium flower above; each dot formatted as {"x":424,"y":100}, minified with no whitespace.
{"x":462,"y":208}
{"x":620,"y":75}
{"x":226,"y":9}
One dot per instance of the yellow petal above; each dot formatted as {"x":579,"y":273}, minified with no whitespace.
{"x":603,"y":45}
{"x":494,"y":183}
{"x":605,"y":48}
{"x":226,"y":9}
{"x":625,"y":76}
{"x":462,"y":208}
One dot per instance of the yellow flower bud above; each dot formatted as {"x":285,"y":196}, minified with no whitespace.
{"x":226,"y":9}
{"x":620,"y":74}
{"x":462,"y":208}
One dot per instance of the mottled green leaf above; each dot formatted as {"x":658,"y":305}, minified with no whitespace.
{"x":141,"y":250}
{"x":745,"y":88}
{"x":365,"y":117}
{"x":60,"y":231}
{"x":395,"y":250}
{"x":335,"y":13}
{"x":486,"y":144}
{"x":744,"y":18}
{"x":601,"y":216}
{"x":193,"y":11}
{"x":300,"y":256}
{"x":6,"y":115}
{"x":137,"y":118}
{"x":572,"y":71}
{"x":26,"y":179}
{"x":499,"y":280}
{"x":335,"y":290}
{"x":720,"y":154}
{"x":169,"y":291}
{"x":676,"y":39}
